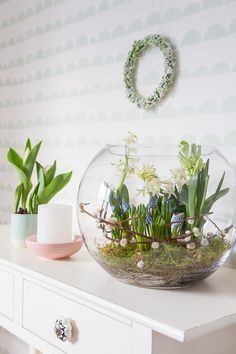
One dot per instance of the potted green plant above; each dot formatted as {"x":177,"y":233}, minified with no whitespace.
{"x":27,"y":197}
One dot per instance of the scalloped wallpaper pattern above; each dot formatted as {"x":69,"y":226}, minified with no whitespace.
{"x":61,"y":65}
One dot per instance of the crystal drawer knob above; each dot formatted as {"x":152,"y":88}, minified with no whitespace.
{"x":63,"y":328}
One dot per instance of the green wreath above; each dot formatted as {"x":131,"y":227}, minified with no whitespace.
{"x":153,"y":40}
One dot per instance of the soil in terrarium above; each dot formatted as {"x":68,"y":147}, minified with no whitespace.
{"x":168,"y":266}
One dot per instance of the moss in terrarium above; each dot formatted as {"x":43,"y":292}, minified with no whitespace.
{"x":168,"y":258}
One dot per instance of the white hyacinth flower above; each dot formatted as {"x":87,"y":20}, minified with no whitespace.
{"x":140,"y":264}
{"x":123,"y":242}
{"x":188,"y":232}
{"x":153,"y":186}
{"x":131,"y":138}
{"x":180,"y":176}
{"x":191,"y":246}
{"x":147,"y":172}
{"x":204,"y":242}
{"x":168,"y":187}
{"x":155,"y":245}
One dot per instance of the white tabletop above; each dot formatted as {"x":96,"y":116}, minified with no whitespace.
{"x":180,"y":314}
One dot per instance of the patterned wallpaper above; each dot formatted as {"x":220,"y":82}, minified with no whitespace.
{"x":61,"y":64}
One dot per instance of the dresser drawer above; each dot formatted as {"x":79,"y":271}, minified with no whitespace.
{"x":6,"y":293}
{"x":92,"y":331}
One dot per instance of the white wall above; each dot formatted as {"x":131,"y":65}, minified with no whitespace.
{"x":61,"y":64}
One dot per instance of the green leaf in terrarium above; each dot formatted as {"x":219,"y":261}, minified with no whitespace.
{"x":124,"y":193}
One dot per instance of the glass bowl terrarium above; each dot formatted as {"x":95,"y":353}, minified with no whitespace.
{"x":158,"y":216}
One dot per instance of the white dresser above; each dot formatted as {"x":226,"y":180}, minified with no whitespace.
{"x":109,"y":317}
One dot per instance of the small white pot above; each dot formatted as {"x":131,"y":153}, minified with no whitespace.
{"x":22,"y":226}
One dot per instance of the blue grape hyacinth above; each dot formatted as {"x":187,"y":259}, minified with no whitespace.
{"x":177,"y":220}
{"x":125,"y":206}
{"x":152,"y":202}
{"x":148,"y":219}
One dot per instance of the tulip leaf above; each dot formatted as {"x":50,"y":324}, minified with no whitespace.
{"x":49,"y":172}
{"x":59,"y":182}
{"x":28,"y":145}
{"x":17,"y":197}
{"x":15,"y":159}
{"x":33,"y":201}
{"x":31,"y":159}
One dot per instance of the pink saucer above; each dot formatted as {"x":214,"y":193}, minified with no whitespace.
{"x":56,"y":250}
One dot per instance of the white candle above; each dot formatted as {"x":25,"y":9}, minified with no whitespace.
{"x":54,"y":223}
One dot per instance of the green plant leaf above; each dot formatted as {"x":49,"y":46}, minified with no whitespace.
{"x":183,"y":195}
{"x":217,"y":195}
{"x":17,"y":197}
{"x":33,"y":204}
{"x":15,"y":159}
{"x":220,"y":184}
{"x":30,"y":160}
{"x":59,"y":182}
{"x":27,"y":150}
{"x":49,"y":172}
{"x":124,"y":193}
{"x":23,"y":178}
{"x":28,"y":145}
{"x":192,"y":188}
{"x":38,"y":167}
{"x":210,"y":201}
{"x":40,"y":176}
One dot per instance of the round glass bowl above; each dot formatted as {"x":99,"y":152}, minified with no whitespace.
{"x":158,"y":216}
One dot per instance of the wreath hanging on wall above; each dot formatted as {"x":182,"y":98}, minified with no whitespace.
{"x":167,"y":79}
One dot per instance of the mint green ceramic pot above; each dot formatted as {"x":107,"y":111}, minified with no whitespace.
{"x":22,"y":225}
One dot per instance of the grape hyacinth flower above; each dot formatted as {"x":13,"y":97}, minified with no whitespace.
{"x":152,"y":202}
{"x":148,"y":219}
{"x":125,"y":206}
{"x":177,"y":220}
